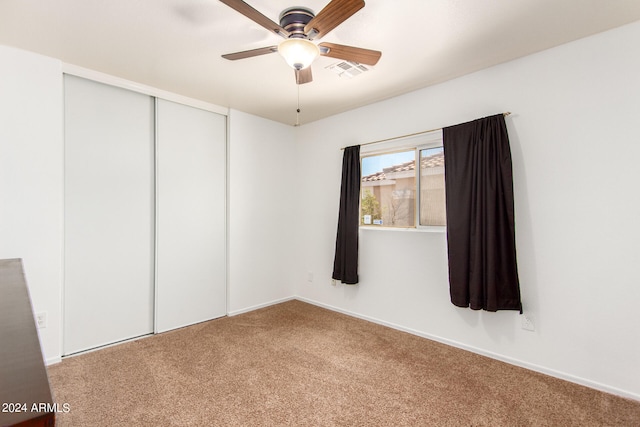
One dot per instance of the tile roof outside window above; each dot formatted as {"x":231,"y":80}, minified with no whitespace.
{"x":437,"y":160}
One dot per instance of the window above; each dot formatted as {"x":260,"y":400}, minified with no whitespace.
{"x":432,"y":201}
{"x":394,"y":194}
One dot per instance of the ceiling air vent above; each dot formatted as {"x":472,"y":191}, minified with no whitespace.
{"x":348,"y":68}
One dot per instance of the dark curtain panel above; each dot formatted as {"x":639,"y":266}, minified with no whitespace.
{"x":345,"y":263}
{"x":480,"y":220}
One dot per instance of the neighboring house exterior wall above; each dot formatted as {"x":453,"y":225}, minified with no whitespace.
{"x":432,"y":193}
{"x":394,"y":189}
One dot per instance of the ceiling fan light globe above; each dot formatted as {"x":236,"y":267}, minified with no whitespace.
{"x":298,"y":53}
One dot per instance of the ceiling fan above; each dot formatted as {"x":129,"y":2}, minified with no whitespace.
{"x":298,"y":26}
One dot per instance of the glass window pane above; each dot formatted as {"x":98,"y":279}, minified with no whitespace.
{"x":432,"y":191}
{"x":388,"y":190}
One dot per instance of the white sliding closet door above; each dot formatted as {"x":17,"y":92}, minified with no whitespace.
{"x":109,"y":215}
{"x":190,"y":239}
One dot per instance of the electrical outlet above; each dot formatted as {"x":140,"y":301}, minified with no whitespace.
{"x":310,"y":277}
{"x":41,"y":320}
{"x":333,"y":282}
{"x":527,"y":323}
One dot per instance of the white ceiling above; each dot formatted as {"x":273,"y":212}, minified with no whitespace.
{"x":175,"y":45}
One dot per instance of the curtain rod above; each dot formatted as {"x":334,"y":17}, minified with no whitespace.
{"x":409,"y":134}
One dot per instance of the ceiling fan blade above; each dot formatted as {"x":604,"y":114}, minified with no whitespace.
{"x":303,"y":76}
{"x":250,"y":53}
{"x":256,"y":16}
{"x":349,"y":53}
{"x":333,"y":14}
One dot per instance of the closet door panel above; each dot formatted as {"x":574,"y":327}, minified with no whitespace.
{"x":191,"y":230}
{"x":109,"y":215}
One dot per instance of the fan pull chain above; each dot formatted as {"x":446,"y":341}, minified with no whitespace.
{"x":298,"y":109}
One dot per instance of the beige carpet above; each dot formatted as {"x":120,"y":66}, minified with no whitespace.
{"x":299,"y":365}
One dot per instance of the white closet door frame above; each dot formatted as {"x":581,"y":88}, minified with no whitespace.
{"x":190,"y":215}
{"x":109,"y":215}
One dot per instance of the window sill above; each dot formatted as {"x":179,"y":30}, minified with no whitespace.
{"x":434,"y":229}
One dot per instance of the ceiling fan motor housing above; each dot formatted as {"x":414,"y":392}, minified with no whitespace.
{"x":294,"y":19}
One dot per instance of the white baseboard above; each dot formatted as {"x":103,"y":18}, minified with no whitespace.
{"x":259,"y":306}
{"x":53,"y":360}
{"x":516,"y":362}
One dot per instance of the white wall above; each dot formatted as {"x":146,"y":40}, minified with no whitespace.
{"x":31,"y":180}
{"x":575,"y":148}
{"x":262,"y":191}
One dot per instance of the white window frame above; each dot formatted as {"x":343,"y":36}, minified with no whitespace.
{"x":417,"y":143}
